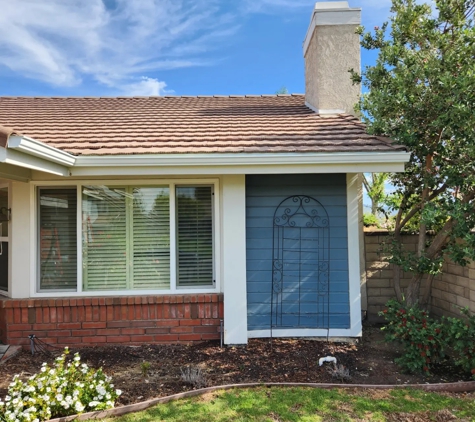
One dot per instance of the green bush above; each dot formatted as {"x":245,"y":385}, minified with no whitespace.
{"x":422,"y":337}
{"x":67,"y":388}
{"x":370,"y":220}
{"x":461,"y":338}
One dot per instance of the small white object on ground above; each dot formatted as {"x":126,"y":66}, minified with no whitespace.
{"x":326,"y":359}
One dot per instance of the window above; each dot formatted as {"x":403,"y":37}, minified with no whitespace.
{"x":57,"y":235}
{"x":132,"y":237}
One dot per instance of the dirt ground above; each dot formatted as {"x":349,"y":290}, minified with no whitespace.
{"x":369,"y":361}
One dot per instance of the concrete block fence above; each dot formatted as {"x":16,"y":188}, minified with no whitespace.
{"x":112,"y":320}
{"x":453,"y":289}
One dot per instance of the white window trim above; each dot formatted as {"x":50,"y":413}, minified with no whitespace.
{"x":174,"y":289}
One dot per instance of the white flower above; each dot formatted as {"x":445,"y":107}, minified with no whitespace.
{"x":93,"y":403}
{"x":59,"y":397}
{"x":79,"y":407}
{"x":118,"y":392}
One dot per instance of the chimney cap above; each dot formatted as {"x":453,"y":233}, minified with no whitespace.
{"x":331,"y":5}
{"x":331,"y":13}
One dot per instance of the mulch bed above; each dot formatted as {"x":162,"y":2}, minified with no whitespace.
{"x":369,"y":361}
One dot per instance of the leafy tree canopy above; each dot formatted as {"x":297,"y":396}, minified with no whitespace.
{"x":421,"y":93}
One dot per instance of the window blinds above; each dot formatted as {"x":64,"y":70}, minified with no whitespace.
{"x":126,"y":238}
{"x":194,"y":235}
{"x":57,"y":238}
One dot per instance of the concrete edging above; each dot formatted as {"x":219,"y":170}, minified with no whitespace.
{"x":455,"y":387}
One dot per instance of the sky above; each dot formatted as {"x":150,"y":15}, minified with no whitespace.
{"x":158,"y":47}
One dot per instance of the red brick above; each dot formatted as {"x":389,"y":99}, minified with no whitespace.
{"x":133,"y":331}
{"x":17,"y":315}
{"x":53,"y":315}
{"x":94,"y":325}
{"x":60,"y":314}
{"x":20,"y":327}
{"x":38,"y":315}
{"x":182,"y":329}
{"x":108,"y":332}
{"x":83,"y":333}
{"x":167,"y":323}
{"x":59,"y":333}
{"x":69,"y":340}
{"x":109,"y":313}
{"x":95,"y":339}
{"x":166,"y":337}
{"x":103,"y":313}
{"x":138,"y":324}
{"x":190,"y":322}
{"x":94,"y":301}
{"x":205,"y":329}
{"x":210,"y":322}
{"x":69,"y":326}
{"x":87,"y":301}
{"x":37,"y":327}
{"x":190,"y":337}
{"x":118,"y":324}
{"x":205,"y":336}
{"x":118,"y":339}
{"x":95,"y":313}
{"x":163,"y":330}
{"x":142,"y":338}
{"x":88,"y":313}
{"x":24,"y":315}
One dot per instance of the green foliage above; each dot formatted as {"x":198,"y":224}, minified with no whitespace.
{"x":423,"y":337}
{"x":461,"y":332}
{"x":375,"y":185}
{"x":421,"y":93}
{"x":282,"y":90}
{"x":370,"y":220}
{"x":144,"y":368}
{"x":67,"y":388}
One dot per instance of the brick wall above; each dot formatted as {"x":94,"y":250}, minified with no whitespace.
{"x":112,"y":320}
{"x":454,"y":288}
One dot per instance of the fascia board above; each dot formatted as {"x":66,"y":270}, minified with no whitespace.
{"x":20,"y":174}
{"x":240,"y":159}
{"x":31,"y":162}
{"x":39,"y":149}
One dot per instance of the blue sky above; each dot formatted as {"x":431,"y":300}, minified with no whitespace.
{"x":158,"y":47}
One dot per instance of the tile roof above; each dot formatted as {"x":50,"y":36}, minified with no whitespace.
{"x":203,"y":124}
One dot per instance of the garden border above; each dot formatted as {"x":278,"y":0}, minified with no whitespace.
{"x":454,"y":387}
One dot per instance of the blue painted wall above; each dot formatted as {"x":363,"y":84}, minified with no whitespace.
{"x":263,"y":195}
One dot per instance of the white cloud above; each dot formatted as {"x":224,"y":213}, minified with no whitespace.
{"x":62,"y":42}
{"x":146,"y":87}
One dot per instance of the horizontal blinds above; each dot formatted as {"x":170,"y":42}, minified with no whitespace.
{"x":57,"y":238}
{"x":104,"y":238}
{"x":194,"y":235}
{"x":150,"y":246}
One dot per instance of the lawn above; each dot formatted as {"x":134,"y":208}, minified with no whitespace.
{"x":310,"y":404}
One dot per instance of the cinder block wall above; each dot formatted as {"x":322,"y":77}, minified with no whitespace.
{"x":449,"y":290}
{"x":454,"y":289}
{"x":112,"y":320}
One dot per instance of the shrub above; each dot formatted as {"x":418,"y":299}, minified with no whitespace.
{"x":370,"y":220}
{"x":422,"y":337}
{"x":461,"y":338}
{"x":67,"y":388}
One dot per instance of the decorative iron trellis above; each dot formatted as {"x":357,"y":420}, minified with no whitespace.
{"x":300,"y":264}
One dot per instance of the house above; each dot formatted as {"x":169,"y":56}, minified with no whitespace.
{"x":129,"y":220}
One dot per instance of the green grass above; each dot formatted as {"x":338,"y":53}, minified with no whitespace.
{"x":304,"y":404}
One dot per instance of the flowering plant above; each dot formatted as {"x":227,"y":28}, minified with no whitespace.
{"x":67,"y":388}
{"x":424,"y":338}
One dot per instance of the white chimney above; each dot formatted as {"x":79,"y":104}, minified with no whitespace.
{"x":330,"y":49}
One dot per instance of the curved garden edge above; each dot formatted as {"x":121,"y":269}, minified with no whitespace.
{"x":454,"y":387}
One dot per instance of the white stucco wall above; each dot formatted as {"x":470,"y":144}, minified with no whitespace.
{"x":233,"y":232}
{"x":20,"y":250}
{"x":333,"y":49}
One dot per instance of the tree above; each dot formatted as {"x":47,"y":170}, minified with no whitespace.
{"x":282,"y":90}
{"x":376,"y":189}
{"x":421,"y":93}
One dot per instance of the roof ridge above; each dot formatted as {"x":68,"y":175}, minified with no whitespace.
{"x":33,"y":97}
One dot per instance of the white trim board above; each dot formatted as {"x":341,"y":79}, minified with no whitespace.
{"x":306,"y":332}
